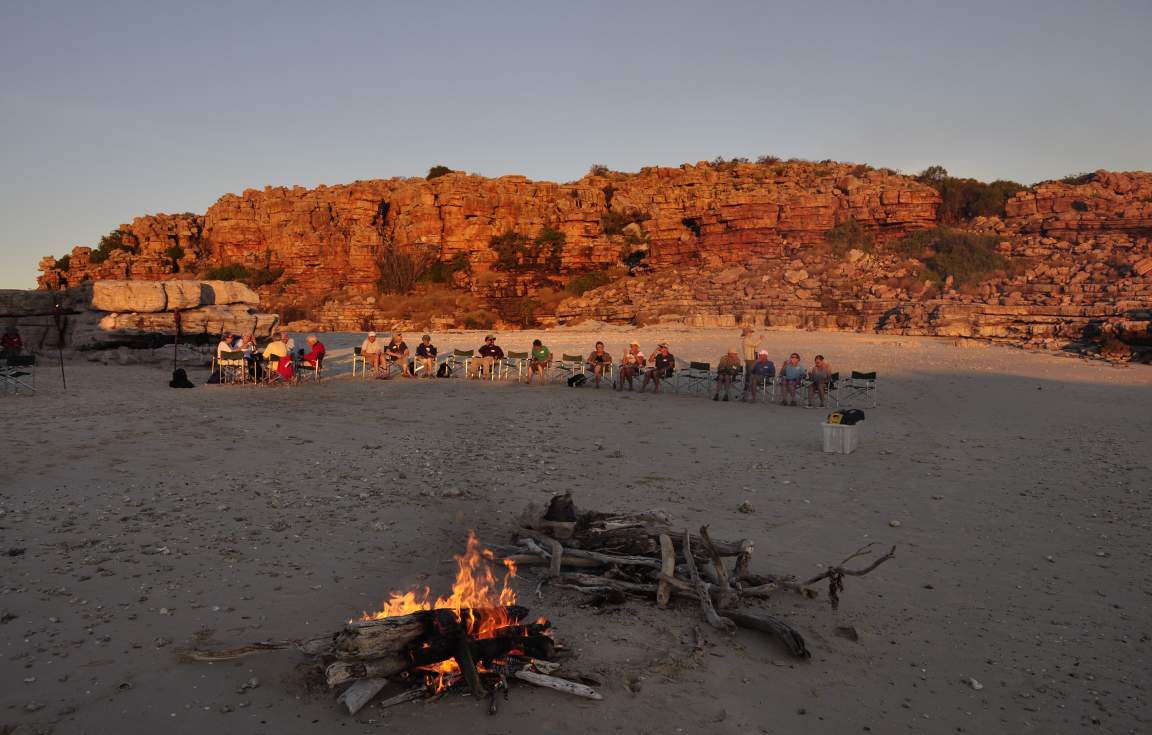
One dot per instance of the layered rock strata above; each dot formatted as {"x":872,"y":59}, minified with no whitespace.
{"x":102,"y":314}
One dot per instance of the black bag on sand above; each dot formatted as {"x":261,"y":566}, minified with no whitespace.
{"x":444,"y":371}
{"x":850,"y":416}
{"x":577,"y":380}
{"x":180,"y":379}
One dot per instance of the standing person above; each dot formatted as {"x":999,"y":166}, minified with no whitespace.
{"x":790,"y":376}
{"x":397,"y":351}
{"x":539,"y":361}
{"x":749,"y":346}
{"x":11,"y":344}
{"x":599,"y":360}
{"x":763,"y":370}
{"x":372,"y":352}
{"x":487,"y":357}
{"x":630,"y":365}
{"x":662,"y":365}
{"x":728,"y":368}
{"x":820,"y":374}
{"x":426,"y":354}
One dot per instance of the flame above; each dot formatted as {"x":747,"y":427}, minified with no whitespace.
{"x":476,"y":587}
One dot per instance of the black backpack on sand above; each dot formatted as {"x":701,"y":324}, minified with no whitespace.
{"x":577,"y":380}
{"x":180,"y":379}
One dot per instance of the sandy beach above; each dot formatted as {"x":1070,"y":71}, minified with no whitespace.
{"x":135,"y":519}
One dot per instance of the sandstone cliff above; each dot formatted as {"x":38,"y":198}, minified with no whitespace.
{"x":718,"y":243}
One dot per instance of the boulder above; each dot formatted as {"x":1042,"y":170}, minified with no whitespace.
{"x":129,"y":296}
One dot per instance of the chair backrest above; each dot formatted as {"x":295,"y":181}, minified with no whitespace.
{"x":22,"y":361}
{"x":231,"y":355}
{"x":856,"y":375}
{"x":463,"y":353}
{"x":703,"y":367}
{"x":517,"y":355}
{"x":356,"y":351}
{"x":572,"y":358}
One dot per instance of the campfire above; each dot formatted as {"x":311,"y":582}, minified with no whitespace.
{"x":478,"y":639}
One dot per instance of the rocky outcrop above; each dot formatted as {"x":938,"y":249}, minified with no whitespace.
{"x":103,"y":314}
{"x":715,"y":243}
{"x":326,"y":243}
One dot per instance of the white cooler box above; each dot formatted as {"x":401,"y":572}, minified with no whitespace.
{"x":842,"y":438}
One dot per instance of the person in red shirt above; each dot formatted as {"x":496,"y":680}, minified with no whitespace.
{"x":10,"y":343}
{"x":317,"y":351}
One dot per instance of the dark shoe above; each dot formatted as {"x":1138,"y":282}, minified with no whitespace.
{"x":725,"y":397}
{"x":716,"y":397}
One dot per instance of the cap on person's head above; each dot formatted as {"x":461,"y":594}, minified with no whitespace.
{"x":663,"y":345}
{"x":763,"y":353}
{"x":733,"y":351}
{"x":490,"y":338}
{"x":371,"y":334}
{"x":633,"y":344}
{"x":537,"y":342}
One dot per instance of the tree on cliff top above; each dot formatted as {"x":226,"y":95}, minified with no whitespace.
{"x":438,"y":171}
{"x":964,"y":199}
{"x":110,"y":243}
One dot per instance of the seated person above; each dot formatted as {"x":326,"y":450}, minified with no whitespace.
{"x":248,"y":346}
{"x":288,"y":342}
{"x":372,"y":351}
{"x":630,"y":365}
{"x":790,"y":376}
{"x":397,"y":351}
{"x":487,"y":357}
{"x":11,"y":344}
{"x":224,"y":345}
{"x":426,"y":354}
{"x":315,"y":356}
{"x":726,"y":371}
{"x":599,"y":360}
{"x":661,"y":365}
{"x":820,"y":374}
{"x":539,"y":361}
{"x":763,"y":370}
{"x":276,"y":348}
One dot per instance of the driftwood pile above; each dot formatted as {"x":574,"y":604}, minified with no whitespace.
{"x":618,"y":555}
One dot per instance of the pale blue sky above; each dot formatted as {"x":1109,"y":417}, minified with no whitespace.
{"x":110,"y":110}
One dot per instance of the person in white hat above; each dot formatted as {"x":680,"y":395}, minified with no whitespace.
{"x":372,"y":351}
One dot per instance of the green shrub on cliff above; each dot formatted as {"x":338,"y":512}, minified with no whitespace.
{"x":442,"y":271}
{"x":236,"y":272}
{"x":110,"y":243}
{"x":587,"y":281}
{"x":968,"y":257}
{"x":438,"y":171}
{"x":63,"y":262}
{"x":849,"y":235}
{"x":963,"y":199}
{"x":514,"y":250}
{"x":614,"y":221}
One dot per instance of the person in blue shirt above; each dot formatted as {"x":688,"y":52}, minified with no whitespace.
{"x":426,"y":355}
{"x":762,"y":372}
{"x":790,"y":377}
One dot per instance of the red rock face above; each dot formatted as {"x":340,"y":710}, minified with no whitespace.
{"x":727,"y":242}
{"x":328,"y":240}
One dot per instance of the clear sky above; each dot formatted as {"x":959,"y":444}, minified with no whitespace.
{"x":111,"y":110}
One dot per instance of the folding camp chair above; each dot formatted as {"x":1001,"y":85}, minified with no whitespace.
{"x":19,"y":372}
{"x":860,"y":387}
{"x":696,"y":378}
{"x":304,"y":371}
{"x":564,"y":368}
{"x":459,"y":362}
{"x":233,"y":367}
{"x":359,"y":361}
{"x":514,"y":363}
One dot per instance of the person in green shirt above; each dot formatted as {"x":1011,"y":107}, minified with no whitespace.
{"x":541,"y":358}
